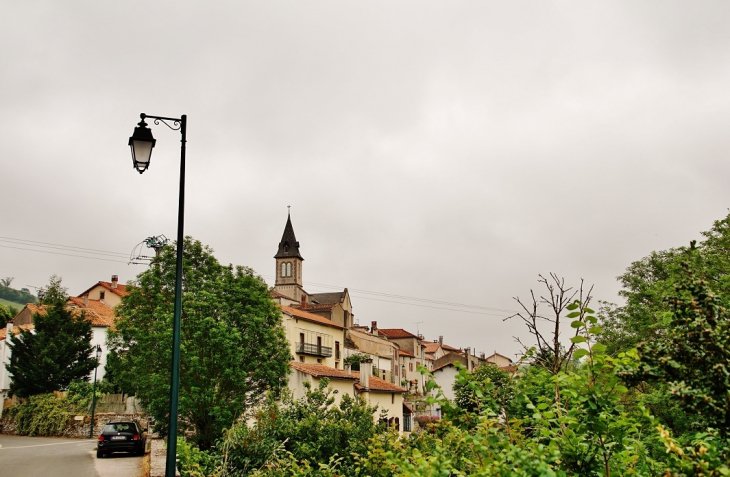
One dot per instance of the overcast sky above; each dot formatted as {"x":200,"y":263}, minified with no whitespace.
{"x":446,"y":151}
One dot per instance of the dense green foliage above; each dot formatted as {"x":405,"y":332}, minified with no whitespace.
{"x":16,"y":296}
{"x":304,"y":432}
{"x":693,"y":358}
{"x":55,"y":353}
{"x":48,"y":414}
{"x":40,"y":415}
{"x":7,"y":313}
{"x":488,"y":387}
{"x":233,"y":346}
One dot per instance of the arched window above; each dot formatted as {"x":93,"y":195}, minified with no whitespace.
{"x":283,"y":269}
{"x":288,"y":269}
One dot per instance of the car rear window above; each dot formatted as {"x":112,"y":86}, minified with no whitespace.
{"x":120,"y":427}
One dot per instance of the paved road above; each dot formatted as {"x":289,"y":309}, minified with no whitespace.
{"x":39,"y":456}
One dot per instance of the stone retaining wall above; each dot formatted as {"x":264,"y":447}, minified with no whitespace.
{"x":78,"y":426}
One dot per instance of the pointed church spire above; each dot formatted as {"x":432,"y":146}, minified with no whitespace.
{"x":288,"y":247}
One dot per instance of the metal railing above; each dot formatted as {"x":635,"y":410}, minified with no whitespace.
{"x":314,"y":350}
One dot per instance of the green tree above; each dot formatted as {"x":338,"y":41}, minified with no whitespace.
{"x":56,"y":352}
{"x":649,"y":283}
{"x":486,"y":387}
{"x":693,"y":359}
{"x":233,"y":345}
{"x":7,"y":313}
{"x":54,"y":291}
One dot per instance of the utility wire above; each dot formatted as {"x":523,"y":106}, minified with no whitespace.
{"x":66,"y":254}
{"x":56,"y":246}
{"x":107,"y":256}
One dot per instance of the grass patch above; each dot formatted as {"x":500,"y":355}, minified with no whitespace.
{"x":17,"y":306}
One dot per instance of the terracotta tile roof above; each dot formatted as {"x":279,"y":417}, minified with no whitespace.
{"x":120,"y":290}
{"x":378,"y":385}
{"x":276,"y":294}
{"x":509,"y":369}
{"x":98,"y":312}
{"x":431,"y":348}
{"x":430,"y":357}
{"x":16,"y":330}
{"x":450,"y":348}
{"x":303,"y":315}
{"x":405,"y":353}
{"x":317,"y":306}
{"x":442,"y":367}
{"x":394,"y":333}
{"x":322,"y":371}
{"x":500,"y":355}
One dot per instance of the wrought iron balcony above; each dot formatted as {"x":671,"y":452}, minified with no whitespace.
{"x":314,"y":350}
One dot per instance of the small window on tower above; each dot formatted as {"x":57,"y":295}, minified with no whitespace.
{"x":283,"y":269}
{"x":288,"y":269}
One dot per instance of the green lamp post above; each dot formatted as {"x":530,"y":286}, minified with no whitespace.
{"x":141,"y":144}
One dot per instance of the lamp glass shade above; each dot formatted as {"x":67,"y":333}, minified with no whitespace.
{"x":141,"y":153}
{"x":98,"y":351}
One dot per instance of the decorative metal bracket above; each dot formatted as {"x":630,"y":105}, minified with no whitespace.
{"x":176,"y":122}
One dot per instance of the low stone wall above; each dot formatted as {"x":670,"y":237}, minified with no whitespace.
{"x":78,"y":426}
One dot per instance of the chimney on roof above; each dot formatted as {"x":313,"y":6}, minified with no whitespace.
{"x":348,"y":368}
{"x":86,"y":300}
{"x":304,"y":302}
{"x":441,"y":340}
{"x":374,"y":327}
{"x":482,"y":355}
{"x":366,"y":369}
{"x":115,"y":280}
{"x":467,"y":353}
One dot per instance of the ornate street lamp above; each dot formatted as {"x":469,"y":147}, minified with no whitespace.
{"x":93,"y":392}
{"x":141,"y":144}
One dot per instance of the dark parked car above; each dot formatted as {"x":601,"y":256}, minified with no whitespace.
{"x":121,"y":436}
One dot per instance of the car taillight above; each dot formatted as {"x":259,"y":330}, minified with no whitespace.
{"x":101,"y":438}
{"x":136,"y":437}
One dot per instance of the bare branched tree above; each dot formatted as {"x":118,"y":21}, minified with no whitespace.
{"x":5,"y":282}
{"x":550,"y":353}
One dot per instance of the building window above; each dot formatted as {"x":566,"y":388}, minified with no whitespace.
{"x":319,"y":361}
{"x":410,"y":367}
{"x":285,"y":269}
{"x":301,"y":337}
{"x":101,"y":295}
{"x":301,"y":359}
{"x":337,"y":350}
{"x":337,"y":365}
{"x":392,"y":398}
{"x":406,"y":423}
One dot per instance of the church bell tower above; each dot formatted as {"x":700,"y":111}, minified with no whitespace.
{"x":289,"y":264}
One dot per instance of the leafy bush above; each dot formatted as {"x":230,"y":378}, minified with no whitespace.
{"x":292,"y":437}
{"x":41,"y":415}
